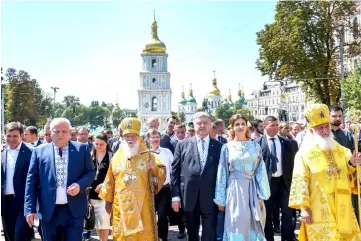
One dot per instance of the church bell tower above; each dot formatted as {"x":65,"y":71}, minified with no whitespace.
{"x":154,"y":94}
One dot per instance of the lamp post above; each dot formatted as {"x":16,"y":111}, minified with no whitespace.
{"x":55,"y":89}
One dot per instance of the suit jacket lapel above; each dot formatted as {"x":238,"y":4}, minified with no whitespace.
{"x":209,"y":154}
{"x":52,"y":159}
{"x":282,"y":152}
{"x":71,"y":157}
{"x":19,"y":160}
{"x":265,"y":147}
{"x":4,"y":159}
{"x":194,"y":150}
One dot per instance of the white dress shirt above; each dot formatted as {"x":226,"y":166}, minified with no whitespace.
{"x":61,"y":170}
{"x":206,"y":145}
{"x":12,"y":156}
{"x":199,"y":146}
{"x":166,"y":157}
{"x":278,"y":152}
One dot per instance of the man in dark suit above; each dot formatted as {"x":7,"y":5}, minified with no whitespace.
{"x":58,"y":176}
{"x":278,"y":154}
{"x":220,"y":131}
{"x":15,"y":160}
{"x":194,"y":175}
{"x":31,"y":136}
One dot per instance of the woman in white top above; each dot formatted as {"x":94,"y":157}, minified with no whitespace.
{"x":163,"y":197}
{"x":101,"y":156}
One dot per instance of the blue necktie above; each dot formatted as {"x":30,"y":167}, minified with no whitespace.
{"x":60,"y":152}
{"x":202,"y":156}
{"x":274,"y":158}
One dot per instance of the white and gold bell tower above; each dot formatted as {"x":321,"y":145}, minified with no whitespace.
{"x":154,"y":94}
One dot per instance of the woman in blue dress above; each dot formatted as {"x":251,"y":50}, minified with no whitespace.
{"x":242,"y":185}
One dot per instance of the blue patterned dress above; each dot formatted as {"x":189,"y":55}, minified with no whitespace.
{"x":241,"y":187}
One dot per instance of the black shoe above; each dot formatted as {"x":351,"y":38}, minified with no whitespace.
{"x":276,"y":230}
{"x":181,"y":235}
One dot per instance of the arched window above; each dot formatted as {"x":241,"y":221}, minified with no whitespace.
{"x":154,"y":103}
{"x":154,"y":63}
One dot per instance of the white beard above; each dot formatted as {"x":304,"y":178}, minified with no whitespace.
{"x":130,"y":151}
{"x":327,"y":143}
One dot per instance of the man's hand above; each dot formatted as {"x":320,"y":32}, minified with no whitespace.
{"x":108,"y":207}
{"x":221,"y":208}
{"x":306,"y":216}
{"x":73,"y":189}
{"x":99,"y":187}
{"x":30,"y":219}
{"x":355,"y":160}
{"x":176,"y":205}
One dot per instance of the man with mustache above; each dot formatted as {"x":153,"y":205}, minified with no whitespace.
{"x":134,"y":176}
{"x":344,"y":138}
{"x":320,"y":182}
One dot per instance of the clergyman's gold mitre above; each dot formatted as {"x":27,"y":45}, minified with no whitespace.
{"x":130,"y":126}
{"x":317,"y":114}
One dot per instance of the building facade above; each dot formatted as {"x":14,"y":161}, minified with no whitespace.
{"x":284,"y":100}
{"x":351,"y":35}
{"x":154,"y":94}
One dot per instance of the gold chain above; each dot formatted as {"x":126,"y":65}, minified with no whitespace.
{"x":332,"y":168}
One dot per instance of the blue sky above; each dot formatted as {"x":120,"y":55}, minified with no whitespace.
{"x":92,"y":49}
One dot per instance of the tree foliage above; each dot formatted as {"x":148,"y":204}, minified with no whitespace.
{"x":351,"y":89}
{"x":24,"y":99}
{"x":26,"y":102}
{"x":301,"y":45}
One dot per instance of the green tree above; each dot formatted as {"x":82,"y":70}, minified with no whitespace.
{"x":224,"y":112}
{"x":301,"y":45}
{"x":351,"y":89}
{"x":181,"y":116}
{"x":24,"y":99}
{"x":117,"y":116}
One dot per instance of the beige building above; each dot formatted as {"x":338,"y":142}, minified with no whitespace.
{"x":284,"y":100}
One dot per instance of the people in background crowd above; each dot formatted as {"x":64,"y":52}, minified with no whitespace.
{"x":31,"y":136}
{"x":258,"y":129}
{"x":74,"y":134}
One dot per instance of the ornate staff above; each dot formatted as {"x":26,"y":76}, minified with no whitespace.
{"x":356,"y":130}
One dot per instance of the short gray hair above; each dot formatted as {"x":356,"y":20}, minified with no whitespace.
{"x":202,"y":114}
{"x":151,"y":119}
{"x":57,"y":121}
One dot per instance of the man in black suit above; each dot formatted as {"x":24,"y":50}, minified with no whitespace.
{"x":194,"y":172}
{"x":15,"y":161}
{"x":31,"y":136}
{"x":278,"y":154}
{"x":220,"y":131}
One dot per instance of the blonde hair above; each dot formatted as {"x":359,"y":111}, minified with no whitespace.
{"x":232,"y":120}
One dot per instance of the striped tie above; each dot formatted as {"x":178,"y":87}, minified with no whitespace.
{"x":202,"y":157}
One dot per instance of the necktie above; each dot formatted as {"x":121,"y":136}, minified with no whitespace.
{"x":274,"y":158}
{"x":202,"y":157}
{"x":60,"y":152}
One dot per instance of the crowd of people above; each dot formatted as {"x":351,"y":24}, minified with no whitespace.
{"x":244,"y":182}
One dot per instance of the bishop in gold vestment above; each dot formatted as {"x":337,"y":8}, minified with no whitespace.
{"x":133,"y":177}
{"x":320,"y":184}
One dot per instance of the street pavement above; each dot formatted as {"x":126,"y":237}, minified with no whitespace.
{"x":172,"y":236}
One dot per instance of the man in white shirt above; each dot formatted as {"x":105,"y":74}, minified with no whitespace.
{"x":15,"y":160}
{"x":162,"y":198}
{"x":278,"y":154}
{"x":194,"y":173}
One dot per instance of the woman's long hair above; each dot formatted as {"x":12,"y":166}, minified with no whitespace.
{"x":102,"y":137}
{"x":232,"y":120}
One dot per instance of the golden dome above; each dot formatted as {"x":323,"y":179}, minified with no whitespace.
{"x":155,"y":45}
{"x":215,"y":90}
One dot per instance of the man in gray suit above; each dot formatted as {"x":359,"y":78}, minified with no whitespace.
{"x":194,"y":172}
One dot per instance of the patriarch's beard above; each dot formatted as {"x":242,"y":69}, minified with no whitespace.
{"x":325,"y":143}
{"x":130,"y":148}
